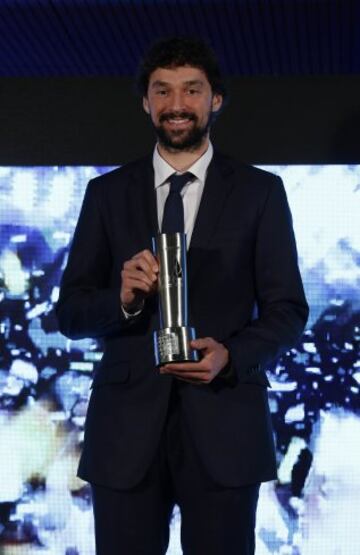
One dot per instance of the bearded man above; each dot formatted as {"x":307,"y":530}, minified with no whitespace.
{"x":195,"y":434}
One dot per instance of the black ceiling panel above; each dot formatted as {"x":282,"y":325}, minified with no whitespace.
{"x":107,"y":37}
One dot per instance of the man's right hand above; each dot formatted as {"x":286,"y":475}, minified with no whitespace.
{"x":139,"y":280}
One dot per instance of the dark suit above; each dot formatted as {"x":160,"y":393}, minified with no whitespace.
{"x":242,"y":256}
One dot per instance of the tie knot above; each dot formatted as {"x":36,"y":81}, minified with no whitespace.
{"x":177,"y":181}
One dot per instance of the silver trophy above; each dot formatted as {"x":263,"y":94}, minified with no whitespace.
{"x":172,"y":340}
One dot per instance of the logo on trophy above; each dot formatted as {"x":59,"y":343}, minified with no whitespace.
{"x":172,"y":340}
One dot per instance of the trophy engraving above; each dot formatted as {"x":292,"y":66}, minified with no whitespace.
{"x":172,"y":340}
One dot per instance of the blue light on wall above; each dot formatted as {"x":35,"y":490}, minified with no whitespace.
{"x":45,"y":378}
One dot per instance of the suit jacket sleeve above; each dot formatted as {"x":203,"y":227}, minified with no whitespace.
{"x":281,"y":303}
{"x":88,"y":306}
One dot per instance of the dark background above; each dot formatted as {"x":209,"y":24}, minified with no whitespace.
{"x":66,"y":70}
{"x":100,"y":121}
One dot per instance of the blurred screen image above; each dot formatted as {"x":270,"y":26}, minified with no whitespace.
{"x":45,"y":378}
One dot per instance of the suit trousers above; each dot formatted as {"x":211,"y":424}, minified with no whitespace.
{"x":215,"y":520}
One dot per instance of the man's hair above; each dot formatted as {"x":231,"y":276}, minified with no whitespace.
{"x":180,"y":51}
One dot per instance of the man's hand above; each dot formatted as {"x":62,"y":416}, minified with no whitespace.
{"x":139,"y":279}
{"x":215,"y":358}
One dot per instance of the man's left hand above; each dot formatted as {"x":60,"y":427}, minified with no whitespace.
{"x":214,"y":359}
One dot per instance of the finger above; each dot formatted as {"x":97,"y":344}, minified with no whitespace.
{"x":140,"y":265}
{"x":202,"y":343}
{"x":133,"y":284}
{"x":186,"y":367}
{"x":131,"y":274}
{"x":149,"y":258}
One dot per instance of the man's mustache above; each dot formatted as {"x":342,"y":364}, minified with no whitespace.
{"x":174,"y":115}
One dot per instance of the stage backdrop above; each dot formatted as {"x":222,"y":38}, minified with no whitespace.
{"x":313,"y":508}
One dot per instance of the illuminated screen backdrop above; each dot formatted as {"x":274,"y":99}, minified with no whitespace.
{"x":313,"y":508}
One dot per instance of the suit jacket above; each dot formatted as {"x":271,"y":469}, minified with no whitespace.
{"x":242,"y":258}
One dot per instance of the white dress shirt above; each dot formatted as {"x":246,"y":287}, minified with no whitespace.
{"x":191,"y":192}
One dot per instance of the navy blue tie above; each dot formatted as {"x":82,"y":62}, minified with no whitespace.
{"x":173,"y":218}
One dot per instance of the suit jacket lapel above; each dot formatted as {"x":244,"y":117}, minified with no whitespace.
{"x":142,"y":203}
{"x":143,"y":207}
{"x":216,"y":190}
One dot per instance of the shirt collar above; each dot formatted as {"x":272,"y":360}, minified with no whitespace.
{"x":163,"y":170}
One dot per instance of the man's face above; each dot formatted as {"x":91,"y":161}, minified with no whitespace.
{"x":181,"y":105}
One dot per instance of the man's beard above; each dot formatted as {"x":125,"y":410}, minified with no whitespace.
{"x":178,"y":140}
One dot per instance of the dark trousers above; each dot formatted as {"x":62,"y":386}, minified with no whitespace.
{"x":214,"y":520}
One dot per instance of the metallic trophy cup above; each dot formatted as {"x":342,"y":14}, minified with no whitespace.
{"x":172,"y":340}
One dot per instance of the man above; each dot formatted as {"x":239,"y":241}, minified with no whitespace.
{"x":196,"y":434}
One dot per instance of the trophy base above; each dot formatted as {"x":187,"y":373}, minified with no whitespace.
{"x":173,"y":345}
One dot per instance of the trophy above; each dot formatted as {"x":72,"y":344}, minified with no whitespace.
{"x":172,"y":340}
